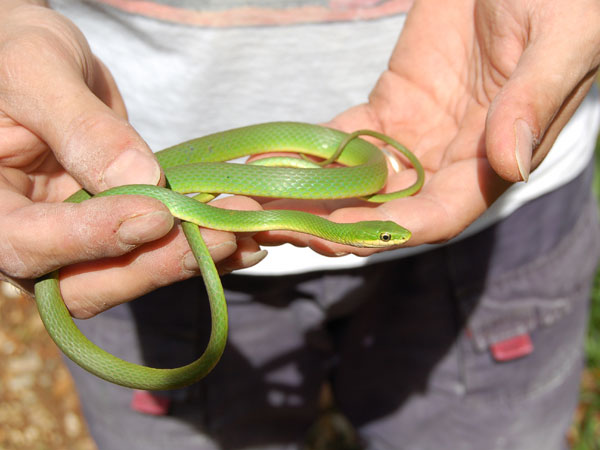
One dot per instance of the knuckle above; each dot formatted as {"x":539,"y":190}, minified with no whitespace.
{"x":15,"y":54}
{"x":37,"y":37}
{"x":116,"y":134}
{"x":13,"y":265}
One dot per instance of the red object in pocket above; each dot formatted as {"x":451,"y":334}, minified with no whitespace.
{"x":512,"y":348}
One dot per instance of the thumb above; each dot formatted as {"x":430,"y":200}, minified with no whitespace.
{"x":95,"y":146}
{"x":534,"y":105}
{"x":68,"y":107}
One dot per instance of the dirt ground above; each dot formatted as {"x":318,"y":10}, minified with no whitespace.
{"x":39,"y":409}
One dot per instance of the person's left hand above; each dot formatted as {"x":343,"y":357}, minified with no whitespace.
{"x":479,"y":90}
{"x":63,"y":126}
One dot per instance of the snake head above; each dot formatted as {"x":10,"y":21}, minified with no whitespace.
{"x":379,"y":234}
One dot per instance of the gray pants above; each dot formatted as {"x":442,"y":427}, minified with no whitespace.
{"x":476,"y":345}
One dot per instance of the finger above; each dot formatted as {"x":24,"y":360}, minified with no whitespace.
{"x":92,"y":287}
{"x":89,"y":288}
{"x":248,"y":254}
{"x":534,"y":104}
{"x":94,"y":143}
{"x":40,"y":237}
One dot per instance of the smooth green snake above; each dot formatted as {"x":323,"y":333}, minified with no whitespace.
{"x":197,"y":167}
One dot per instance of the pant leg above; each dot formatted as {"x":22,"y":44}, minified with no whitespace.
{"x":262,"y":394}
{"x":416,"y":368}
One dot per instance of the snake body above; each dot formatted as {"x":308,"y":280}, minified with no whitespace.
{"x":197,"y":166}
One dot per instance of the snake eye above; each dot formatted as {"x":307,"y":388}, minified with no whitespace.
{"x":385,"y":237}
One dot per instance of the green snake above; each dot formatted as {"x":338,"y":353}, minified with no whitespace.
{"x":198,"y":166}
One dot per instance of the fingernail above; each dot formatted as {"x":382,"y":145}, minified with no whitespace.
{"x":146,"y":228}
{"x":251,"y":259}
{"x":523,"y":147}
{"x":245,"y":260}
{"x":132,"y":167}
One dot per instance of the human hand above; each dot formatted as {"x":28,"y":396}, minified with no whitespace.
{"x":62,"y":126}
{"x":479,"y":90}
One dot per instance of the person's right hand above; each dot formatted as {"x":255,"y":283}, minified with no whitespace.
{"x":62,"y":127}
{"x":479,"y":90}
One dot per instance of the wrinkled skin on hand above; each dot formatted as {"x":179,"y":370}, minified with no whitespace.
{"x":63,"y":125}
{"x":479,"y":90}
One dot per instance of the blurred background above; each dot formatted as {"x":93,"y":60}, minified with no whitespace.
{"x":39,"y":409}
